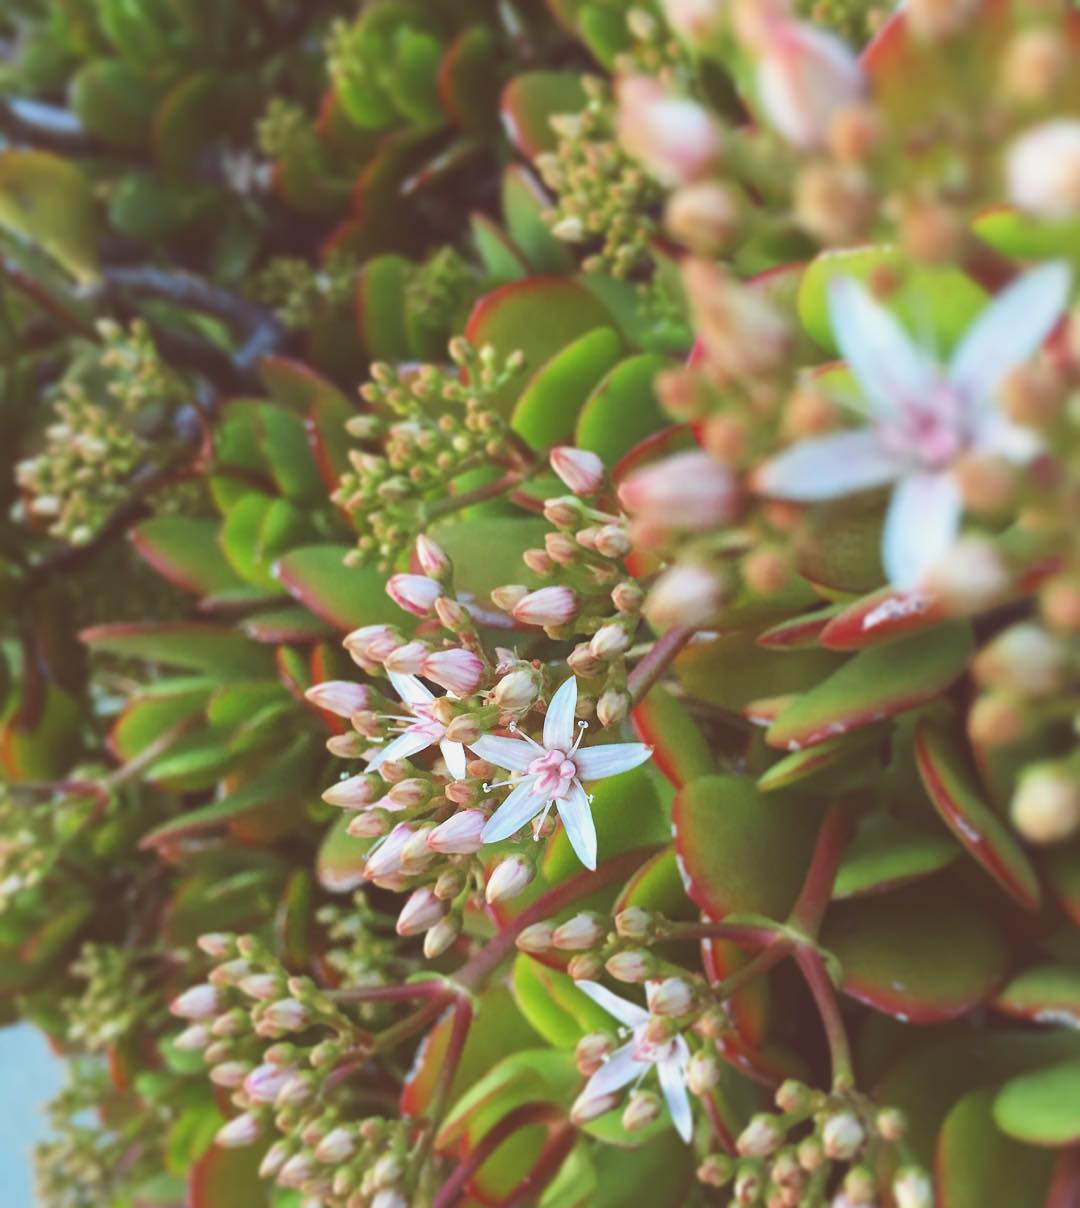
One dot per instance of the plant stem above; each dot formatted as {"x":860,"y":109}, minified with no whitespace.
{"x":408,"y":992}
{"x":487,"y":490}
{"x":653,"y":665}
{"x":531,"y":1113}
{"x":817,"y":978}
{"x":746,"y":935}
{"x":543,"y":1169}
{"x":761,"y":963}
{"x":809,"y":909}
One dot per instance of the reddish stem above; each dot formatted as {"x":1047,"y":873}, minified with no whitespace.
{"x":543,"y":1170}
{"x":454,"y":1187}
{"x":655,"y":663}
{"x":720,"y":1129}
{"x":821,"y":987}
{"x":746,"y":935}
{"x":809,"y":909}
{"x":435,"y":988}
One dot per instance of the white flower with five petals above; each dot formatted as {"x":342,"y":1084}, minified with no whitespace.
{"x":419,"y":728}
{"x":924,"y":417}
{"x":551,"y":772}
{"x":634,"y":1060}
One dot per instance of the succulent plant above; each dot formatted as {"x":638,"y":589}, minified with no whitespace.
{"x":540,"y":595}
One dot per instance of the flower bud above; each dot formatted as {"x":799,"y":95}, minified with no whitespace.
{"x":811,"y":1155}
{"x":793,"y":1096}
{"x":373,"y":643}
{"x":389,"y":1197}
{"x":348,"y":746}
{"x":217,"y":944}
{"x":458,"y":671}
{"x":264,"y":1083}
{"x":197,"y":1003}
{"x":642,"y":1109}
{"x":580,"y":470}
{"x":192,"y":1039}
{"x":689,"y":593}
{"x":634,"y":965}
{"x":539,"y":937}
{"x":369,"y":825}
{"x":1046,"y":805}
{"x":842,"y":1137}
{"x":609,"y":641}
{"x":686,"y":491}
{"x":588,"y":1107}
{"x":459,"y":834}
{"x":1042,"y":169}
{"x":229,"y":1074}
{"x":891,"y":1124}
{"x":509,"y":878}
{"x":338,"y":1145}
{"x":276,"y":1157}
{"x":674,"y":138}
{"x":673,"y":996}
{"x":421,"y":911}
{"x":431,"y":558}
{"x":612,"y":707}
{"x":970,"y":579}
{"x":508,"y":596}
{"x":912,"y":1188}
{"x":299,"y":1089}
{"x":384,"y":860}
{"x":415,"y":593}
{"x":517,"y":691}
{"x":340,"y":696}
{"x":742,"y":332}
{"x":355,"y":791}
{"x":406,"y":659}
{"x":296,"y":1171}
{"x":1026,"y":659}
{"x":592,"y":1051}
{"x":241,"y":1130}
{"x":579,"y":933}
{"x":716,"y":1170}
{"x":441,"y":936}
{"x":702,"y":1072}
{"x":287,"y":1015}
{"x":550,"y":606}
{"x":584,"y":966}
{"x":936,"y":19}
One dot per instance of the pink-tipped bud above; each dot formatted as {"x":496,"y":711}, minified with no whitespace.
{"x":550,"y":606}
{"x":355,"y":791}
{"x":584,"y":930}
{"x":217,"y":944}
{"x":193,"y":1039}
{"x":299,"y":1089}
{"x":508,"y":596}
{"x":635,"y":923}
{"x":241,"y":1130}
{"x":369,"y":825}
{"x":459,"y":835}
{"x":458,"y":671}
{"x":842,"y":1137}
{"x":229,"y":1074}
{"x":509,"y":878}
{"x":686,"y":594}
{"x":588,"y":1107}
{"x":636,"y":965}
{"x":673,"y":996}
{"x":385,"y":859}
{"x":582,"y":471}
{"x":265,"y":1082}
{"x":805,"y":76}
{"x":674,"y":138}
{"x":276,"y":1157}
{"x":642,"y":1109}
{"x":340,"y":697}
{"x":1043,"y":169}
{"x":517,"y":691}
{"x":687,"y":491}
{"x":415,"y":593}
{"x":540,"y":937}
{"x":287,"y":1015}
{"x":592,"y":1051}
{"x":263,"y":986}
{"x":609,"y":641}
{"x":912,"y":1188}
{"x":431,"y":558}
{"x":702,"y":1072}
{"x":421,"y":911}
{"x":373,"y":643}
{"x":296,"y":1171}
{"x":760,"y":1137}
{"x":338,"y":1145}
{"x":407,"y":659}
{"x":441,"y":936}
{"x":198,"y":1003}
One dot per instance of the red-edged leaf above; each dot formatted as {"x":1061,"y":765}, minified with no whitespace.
{"x":185,"y":551}
{"x":880,"y":617}
{"x":1047,"y":994}
{"x":346,"y":597}
{"x":679,"y":748}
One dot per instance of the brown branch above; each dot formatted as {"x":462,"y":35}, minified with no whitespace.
{"x":453,"y":1189}
{"x":656,"y":662}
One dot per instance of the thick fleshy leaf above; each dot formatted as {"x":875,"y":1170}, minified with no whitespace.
{"x":147,"y":717}
{"x":344,"y":596}
{"x":502,"y":260}
{"x":228,"y":1178}
{"x":839,"y":549}
{"x":216,"y":650}
{"x":1042,"y":1108}
{"x":952,"y":787}
{"x":529,"y":102}
{"x":850,"y":756}
{"x":1047,"y":994}
{"x":1022,"y":237}
{"x":887,"y":852}
{"x":486,"y":551}
{"x":977,"y":1165}
{"x":380,"y":307}
{"x":1060,"y":866}
{"x":549,"y":404}
{"x":185,"y":122}
{"x":113,"y":101}
{"x":339,"y":865}
{"x":42,"y":744}
{"x":524,"y":203}
{"x":798,"y":632}
{"x":622,"y":410}
{"x":658,"y":886}
{"x":278,"y":625}
{"x":921,"y":954}
{"x":49,"y":201}
{"x":742,"y":851}
{"x":553,"y":1003}
{"x":874,"y":684}
{"x":880,"y":617}
{"x":680,"y":751}
{"x":184,"y":550}
{"x":284,"y":441}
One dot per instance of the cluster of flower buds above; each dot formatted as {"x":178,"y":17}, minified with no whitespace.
{"x":118,"y":999}
{"x":363,"y":948}
{"x":414,"y":449}
{"x":793,"y":1158}
{"x":302,"y":294}
{"x":604,"y":201}
{"x":274,"y":1042}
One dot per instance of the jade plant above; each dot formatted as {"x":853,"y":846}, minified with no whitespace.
{"x":538,"y":660}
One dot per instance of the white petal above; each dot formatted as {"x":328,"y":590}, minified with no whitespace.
{"x":410,"y":689}
{"x":577,"y":817}
{"x":673,"y":1084}
{"x":453,"y":754}
{"x":509,"y":753}
{"x":920,"y":527}
{"x":886,"y":364}
{"x":828,"y":466}
{"x":559,"y":722}
{"x":1009,"y":331}
{"x":625,"y":1012}
{"x":999,"y":436}
{"x":412,"y":742}
{"x":618,"y":1071}
{"x":594,"y":763}
{"x":520,"y":807}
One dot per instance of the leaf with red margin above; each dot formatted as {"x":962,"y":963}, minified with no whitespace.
{"x":524,"y":203}
{"x":228,"y":1178}
{"x":676,"y":438}
{"x":553,"y":1004}
{"x":679,"y":748}
{"x":218,"y":651}
{"x":1061,"y":868}
{"x":529,"y":102}
{"x":923,"y":954}
{"x":657,"y":885}
{"x":622,"y":410}
{"x":1048,"y":994}
{"x":888,"y":852}
{"x":742,"y":851}
{"x":977,"y":1165}
{"x":146,"y":717}
{"x":874,"y":684}
{"x":953,"y":790}
{"x":748,"y":1007}
{"x":468,"y":88}
{"x":184,"y":550}
{"x":797,"y":633}
{"x":339,"y":865}
{"x":45,"y":746}
{"x":853,"y":752}
{"x":346,"y":597}
{"x":285,"y":625}
{"x":880,"y":617}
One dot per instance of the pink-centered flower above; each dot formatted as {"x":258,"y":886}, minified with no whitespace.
{"x":551,"y":772}
{"x":419,"y":728}
{"x":634,"y":1059}
{"x":924,"y":417}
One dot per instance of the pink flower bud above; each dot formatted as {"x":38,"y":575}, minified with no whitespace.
{"x":674,"y":138}
{"x":241,"y":1130}
{"x":264,"y":1083}
{"x":517,"y":691}
{"x":508,"y":596}
{"x":912,"y":1188}
{"x":760,"y":1137}
{"x":415,"y":593}
{"x":431,"y":558}
{"x":389,"y":1197}
{"x":338,"y":1145}
{"x":842,"y":1137}
{"x":582,"y":931}
{"x":297,"y":1090}
{"x":421,"y":911}
{"x":642,"y":1110}
{"x":1042,"y":169}
{"x":275,"y":1158}
{"x":355,"y":792}
{"x":609,"y":641}
{"x":686,"y":594}
{"x":372,"y":642}
{"x":582,"y":471}
{"x":229,"y":1074}
{"x":369,"y":825}
{"x":459,"y":834}
{"x":218,"y":944}
{"x":592,"y":1051}
{"x":537,"y":938}
{"x":702,"y":1072}
{"x":287,"y":1015}
{"x":550,"y":606}
{"x":804,"y":76}
{"x":385,"y":859}
{"x":441,"y":936}
{"x":587,"y":1107}
{"x":673,"y":996}
{"x":741,"y":331}
{"x":192,"y":1039}
{"x":198,"y":1003}
{"x":458,"y":671}
{"x":296,"y":1171}
{"x":510,"y":877}
{"x":340,"y":697}
{"x":636,"y":965}
{"x":687,"y":491}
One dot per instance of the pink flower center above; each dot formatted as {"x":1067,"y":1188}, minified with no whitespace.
{"x":643,"y":1049}
{"x":554,"y":772}
{"x":425,"y":724}
{"x":933,"y":431}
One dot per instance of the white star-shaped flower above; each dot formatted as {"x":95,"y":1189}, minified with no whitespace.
{"x":419,"y":728}
{"x":551,"y":774}
{"x":634,"y":1060}
{"x":924,"y":417}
